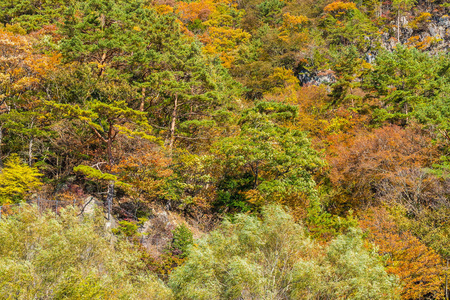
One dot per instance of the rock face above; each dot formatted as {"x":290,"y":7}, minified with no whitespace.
{"x":427,"y":28}
{"x":308,"y":78}
{"x":157,"y":232}
{"x":90,"y":205}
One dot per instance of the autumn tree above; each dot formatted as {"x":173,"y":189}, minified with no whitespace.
{"x":420,"y":268}
{"x":23,"y":71}
{"x":16,"y":180}
{"x":363,"y":169}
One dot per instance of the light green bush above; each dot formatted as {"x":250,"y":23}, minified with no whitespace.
{"x":69,"y":257}
{"x":272,"y":258}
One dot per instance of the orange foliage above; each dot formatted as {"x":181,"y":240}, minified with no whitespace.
{"x":195,"y":10}
{"x":363,"y":164}
{"x":216,"y":20}
{"x":21,"y":67}
{"x":146,"y":172}
{"x":423,"y":44}
{"x":339,"y":7}
{"x":420,"y":268}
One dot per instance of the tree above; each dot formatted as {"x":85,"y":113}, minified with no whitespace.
{"x":349,"y":68}
{"x":23,"y":71}
{"x":267,"y":161}
{"x":420,"y":268}
{"x":405,"y":78}
{"x":107,"y":120}
{"x":371,"y":167}
{"x":166,"y":70}
{"x":345,"y":25}
{"x":31,"y":15}
{"x":16,"y":180}
{"x":402,"y":6}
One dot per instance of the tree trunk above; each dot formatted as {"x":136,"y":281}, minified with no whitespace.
{"x":109,"y":145}
{"x":30,"y":152}
{"x":446,"y":283}
{"x":111,"y":184}
{"x":255,"y":184}
{"x":398,"y":26}
{"x":110,"y":197}
{"x":141,"y":107}
{"x":172,"y":125}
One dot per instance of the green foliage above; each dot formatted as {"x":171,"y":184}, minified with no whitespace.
{"x":16,"y":180}
{"x":271,"y":258}
{"x":324,"y":225}
{"x":406,"y":78}
{"x":138,"y":94}
{"x":94,"y":174}
{"x":182,"y":240}
{"x":345,"y":25}
{"x":31,"y":15}
{"x":66,"y":257}
{"x":348,"y":271}
{"x":269,"y":9}
{"x":348,"y":68}
{"x":266,"y":157}
{"x":166,"y":71}
{"x":129,"y":228}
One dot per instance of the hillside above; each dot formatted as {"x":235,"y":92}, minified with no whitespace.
{"x":249,"y":149}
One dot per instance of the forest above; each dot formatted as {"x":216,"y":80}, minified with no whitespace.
{"x":225,"y":149}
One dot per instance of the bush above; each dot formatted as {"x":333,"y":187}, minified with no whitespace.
{"x":48,"y":257}
{"x":272,"y":258}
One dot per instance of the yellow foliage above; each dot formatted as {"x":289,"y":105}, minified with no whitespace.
{"x":164,"y":9}
{"x":420,"y":20}
{"x":195,"y":10}
{"x":286,"y":84}
{"x":291,"y":22}
{"x":16,"y":180}
{"x":225,"y":42}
